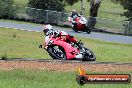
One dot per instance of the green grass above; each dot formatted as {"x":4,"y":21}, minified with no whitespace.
{"x":106,"y":51}
{"x":115,"y":25}
{"x":47,"y":79}
{"x":23,"y":44}
{"x":21,"y":2}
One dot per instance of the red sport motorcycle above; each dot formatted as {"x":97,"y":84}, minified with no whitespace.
{"x":81,"y":24}
{"x":58,"y":48}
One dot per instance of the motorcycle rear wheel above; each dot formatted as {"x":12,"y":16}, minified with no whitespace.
{"x":54,"y":54}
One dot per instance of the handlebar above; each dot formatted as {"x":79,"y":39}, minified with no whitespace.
{"x":56,"y":36}
{"x":80,"y":44}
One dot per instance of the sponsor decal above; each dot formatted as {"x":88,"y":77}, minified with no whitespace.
{"x":84,"y":78}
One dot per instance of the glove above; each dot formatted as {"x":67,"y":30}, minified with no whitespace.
{"x":55,"y":36}
{"x":74,"y":22}
{"x":40,"y":46}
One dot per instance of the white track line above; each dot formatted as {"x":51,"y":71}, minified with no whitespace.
{"x":19,"y":29}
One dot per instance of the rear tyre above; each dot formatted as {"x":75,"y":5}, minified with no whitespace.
{"x":60,"y":54}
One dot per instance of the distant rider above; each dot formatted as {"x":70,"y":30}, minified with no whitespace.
{"x":73,"y":16}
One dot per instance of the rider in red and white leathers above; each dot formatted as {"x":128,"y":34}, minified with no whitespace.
{"x":48,"y":31}
{"x":72,"y":18}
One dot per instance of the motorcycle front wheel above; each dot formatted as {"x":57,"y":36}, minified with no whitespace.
{"x":88,"y":30}
{"x":57,"y":52}
{"x":89,"y":56}
{"x":75,"y":30}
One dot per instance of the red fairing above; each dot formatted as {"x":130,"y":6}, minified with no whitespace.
{"x":80,"y":26}
{"x":70,"y":50}
{"x":66,"y":47}
{"x":73,"y":39}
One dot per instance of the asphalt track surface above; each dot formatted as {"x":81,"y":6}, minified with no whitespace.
{"x":94,"y":35}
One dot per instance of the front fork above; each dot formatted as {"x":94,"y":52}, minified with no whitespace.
{"x":81,"y":55}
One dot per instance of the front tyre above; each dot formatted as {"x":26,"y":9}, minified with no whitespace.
{"x":89,"y":56}
{"x":74,"y":29}
{"x":57,"y":52}
{"x":88,"y":30}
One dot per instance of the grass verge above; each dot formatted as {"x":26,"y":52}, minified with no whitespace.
{"x":47,"y":79}
{"x":21,"y":2}
{"x":23,"y":45}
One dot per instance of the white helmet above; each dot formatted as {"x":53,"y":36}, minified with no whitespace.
{"x":47,"y":28}
{"x":74,"y":10}
{"x":63,"y":33}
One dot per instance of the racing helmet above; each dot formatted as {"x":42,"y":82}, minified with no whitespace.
{"x":74,"y":11}
{"x":47,"y":28}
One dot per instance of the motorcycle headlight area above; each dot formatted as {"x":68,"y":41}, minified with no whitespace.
{"x":81,"y":44}
{"x":50,"y":42}
{"x":63,"y":37}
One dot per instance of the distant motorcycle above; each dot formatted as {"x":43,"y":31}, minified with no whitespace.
{"x":81,"y":23}
{"x":58,"y":48}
